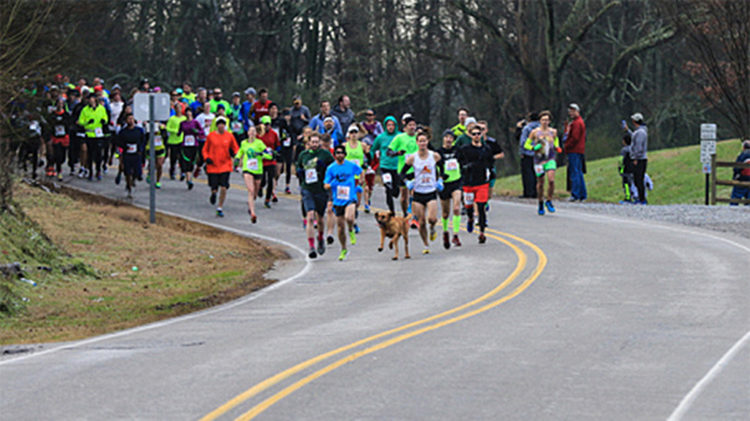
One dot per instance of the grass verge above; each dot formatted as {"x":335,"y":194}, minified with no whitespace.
{"x":100,"y":267}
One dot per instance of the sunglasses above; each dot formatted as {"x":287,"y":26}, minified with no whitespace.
{"x":476,"y":133}
{"x":370,"y":115}
{"x":340,"y":153}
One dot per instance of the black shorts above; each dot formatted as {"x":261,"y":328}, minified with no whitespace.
{"x":424,"y":198}
{"x":341,"y":210}
{"x":449,"y":189}
{"x":255,"y":176}
{"x":188,"y":155}
{"x":312,"y":201}
{"x":218,"y":180}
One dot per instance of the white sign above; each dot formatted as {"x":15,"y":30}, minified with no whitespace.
{"x":161,"y":107}
{"x":708,"y":131}
{"x":708,"y":148}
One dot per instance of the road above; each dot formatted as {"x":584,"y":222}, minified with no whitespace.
{"x":566,"y":316}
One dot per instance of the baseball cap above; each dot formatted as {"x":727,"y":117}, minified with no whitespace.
{"x":637,"y":117}
{"x":221,"y":120}
{"x":327,"y":119}
{"x":235,"y":94}
{"x":353,"y":128}
{"x":746,"y":144}
{"x":447,"y":132}
{"x":265,"y":119}
{"x":116,"y":86}
{"x":574,"y":106}
{"x":179,"y":90}
{"x":250,"y":91}
{"x":405,"y":116}
{"x":54,"y":88}
{"x":297,"y":98}
{"x":469,"y":120}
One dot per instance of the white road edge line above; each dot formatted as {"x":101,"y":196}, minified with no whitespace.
{"x":688,"y":400}
{"x":251,"y":297}
{"x":699,"y":387}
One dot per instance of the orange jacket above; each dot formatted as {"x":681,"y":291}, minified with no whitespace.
{"x":221,"y":149}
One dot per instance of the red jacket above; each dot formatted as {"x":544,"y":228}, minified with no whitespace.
{"x":576,"y":139}
{"x":221,"y":148}
{"x":271,"y":139}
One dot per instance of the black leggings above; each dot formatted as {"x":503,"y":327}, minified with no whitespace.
{"x":391,"y":189}
{"x":269,"y":176}
{"x":174,"y":157}
{"x":94,"y":146}
{"x":59,"y":152}
{"x":482,"y":208}
{"x":286,"y":164}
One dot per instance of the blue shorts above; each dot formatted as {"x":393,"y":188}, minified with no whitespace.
{"x":314,"y":201}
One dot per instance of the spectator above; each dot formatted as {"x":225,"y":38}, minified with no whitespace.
{"x":638,"y":150}
{"x":300,"y":116}
{"x":742,"y":174}
{"x":343,"y":111}
{"x":575,"y":148}
{"x":317,"y":122}
{"x":626,"y":169}
{"x":261,"y":106}
{"x":528,"y":176}
{"x":460,"y":128}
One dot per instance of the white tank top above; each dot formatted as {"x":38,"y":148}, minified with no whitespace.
{"x":425,"y":178}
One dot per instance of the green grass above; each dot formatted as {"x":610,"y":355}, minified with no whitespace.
{"x":677,"y":176}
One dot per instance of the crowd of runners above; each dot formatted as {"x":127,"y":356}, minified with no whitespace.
{"x":87,"y":130}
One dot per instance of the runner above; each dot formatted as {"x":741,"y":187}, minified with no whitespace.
{"x":311,"y":170}
{"x":545,"y":144}
{"x":251,"y":153}
{"x":174,"y":141}
{"x":286,"y":152}
{"x":372,"y":128}
{"x":271,"y":139}
{"x":476,"y":161}
{"x":341,"y":181}
{"x":388,"y":164}
{"x":497,"y":153}
{"x":355,"y":153}
{"x":60,"y":136}
{"x":132,"y":140}
{"x":402,"y":145}
{"x":205,"y":119}
{"x":93,"y":118}
{"x":160,"y":151}
{"x":190,"y":131}
{"x":452,"y":190}
{"x":427,"y":182}
{"x":218,"y":151}
{"x":326,"y":143}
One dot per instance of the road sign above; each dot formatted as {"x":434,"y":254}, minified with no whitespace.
{"x":161,"y":106}
{"x":708,"y":131}
{"x":707,"y":168}
{"x":708,"y":148}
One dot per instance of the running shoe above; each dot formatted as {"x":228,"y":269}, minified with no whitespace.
{"x":60,"y":177}
{"x":182,"y":176}
{"x":105,"y":168}
{"x":321,"y":247}
{"x":367,"y":208}
{"x":157,"y":185}
{"x":274,"y":199}
{"x":90,"y":177}
{"x":414,"y":224}
{"x":118,"y":178}
{"x":541,"y":208}
{"x":197,"y":172}
{"x":470,"y":225}
{"x":219,"y":213}
{"x":550,"y":208}
{"x":212,"y":198}
{"x":171,"y":175}
{"x":426,"y":251}
{"x":342,"y":255}
{"x":353,"y":237}
{"x":266,"y":204}
{"x":98,"y":177}
{"x":482,"y":238}
{"x":190,"y":185}
{"x":487,"y":207}
{"x":312,"y":253}
{"x":571,"y":199}
{"x":356,"y":229}
{"x":433,"y":234}
{"x":329,"y":240}
{"x":446,"y":240}
{"x":287,"y":190}
{"x":456,"y":240}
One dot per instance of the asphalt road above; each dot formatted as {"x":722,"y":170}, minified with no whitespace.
{"x":566,"y":316}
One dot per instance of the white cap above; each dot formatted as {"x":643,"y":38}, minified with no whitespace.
{"x":405,"y":116}
{"x":353,"y":128}
{"x":637,"y":117}
{"x":574,"y":106}
{"x":469,"y":120}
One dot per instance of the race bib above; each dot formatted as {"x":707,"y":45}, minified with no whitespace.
{"x":311,"y":176}
{"x":426,"y":180}
{"x":539,"y":169}
{"x":59,"y":131}
{"x":451,"y":164}
{"x":387,"y":178}
{"x":189,"y":140}
{"x":98,"y":132}
{"x":287,"y":142}
{"x":469,"y":198}
{"x":237,"y":126}
{"x":252,"y":164}
{"x":158,"y":142}
{"x":342,"y":192}
{"x":370,"y":171}
{"x":132,"y":148}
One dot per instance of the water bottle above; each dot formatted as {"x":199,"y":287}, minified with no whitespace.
{"x":28,"y":281}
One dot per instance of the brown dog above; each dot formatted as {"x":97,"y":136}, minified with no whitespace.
{"x":393,"y":227}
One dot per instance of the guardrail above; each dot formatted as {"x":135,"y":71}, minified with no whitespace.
{"x":730,"y":182}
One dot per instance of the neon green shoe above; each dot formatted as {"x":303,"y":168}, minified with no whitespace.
{"x":342,"y":255}
{"x":353,"y":237}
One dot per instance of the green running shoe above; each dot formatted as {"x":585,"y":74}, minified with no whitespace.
{"x":342,"y":255}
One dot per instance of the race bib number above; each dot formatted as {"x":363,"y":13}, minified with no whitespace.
{"x":451,"y":164}
{"x":387,"y":178}
{"x":237,"y":126}
{"x":158,"y":142}
{"x":287,"y":142}
{"x":132,"y":148}
{"x":469,"y":198}
{"x":59,"y":131}
{"x":252,"y":164}
{"x":189,"y":140}
{"x":98,"y":132}
{"x":311,"y":176}
{"x":539,"y":168}
{"x":426,"y":180}
{"x":342,"y":192}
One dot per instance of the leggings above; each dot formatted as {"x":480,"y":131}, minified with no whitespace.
{"x":269,"y":176}
{"x":59,"y":151}
{"x":174,"y":156}
{"x":286,"y":164}
{"x":391,"y":189}
{"x":94,"y":146}
{"x":481,"y":207}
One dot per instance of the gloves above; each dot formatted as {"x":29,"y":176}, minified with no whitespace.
{"x":558,"y":149}
{"x":440,"y":185}
{"x":209,"y":161}
{"x":537,"y":146}
{"x":410,"y":184}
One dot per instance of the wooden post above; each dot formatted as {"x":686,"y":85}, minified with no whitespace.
{"x":713,"y":179}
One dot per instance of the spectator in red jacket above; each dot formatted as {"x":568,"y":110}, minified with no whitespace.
{"x":575,"y":148}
